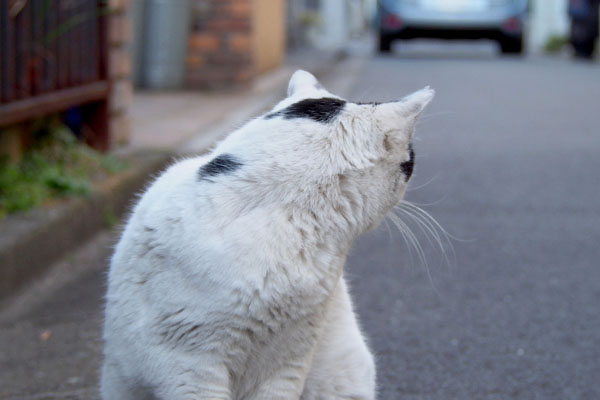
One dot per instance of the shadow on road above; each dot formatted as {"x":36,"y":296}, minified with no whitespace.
{"x":482,"y":50}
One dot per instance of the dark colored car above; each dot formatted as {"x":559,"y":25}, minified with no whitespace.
{"x":584,"y":26}
{"x":500,"y":20}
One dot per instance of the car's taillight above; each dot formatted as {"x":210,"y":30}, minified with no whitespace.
{"x":512,"y":24}
{"x":391,"y":21}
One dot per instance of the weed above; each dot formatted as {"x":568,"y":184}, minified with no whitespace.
{"x":555,"y":44}
{"x":56,"y":165}
{"x":110,"y":219}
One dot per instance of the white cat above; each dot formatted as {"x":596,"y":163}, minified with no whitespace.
{"x":228,"y":280}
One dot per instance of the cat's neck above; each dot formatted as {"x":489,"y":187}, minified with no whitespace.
{"x":298,"y":219}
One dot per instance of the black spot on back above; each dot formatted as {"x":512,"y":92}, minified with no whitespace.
{"x":320,"y":110}
{"x":408,"y":166}
{"x":222,"y":164}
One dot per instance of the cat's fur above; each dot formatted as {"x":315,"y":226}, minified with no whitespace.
{"x":228,"y":280}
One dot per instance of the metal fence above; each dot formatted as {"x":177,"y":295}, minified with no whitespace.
{"x":53,"y":55}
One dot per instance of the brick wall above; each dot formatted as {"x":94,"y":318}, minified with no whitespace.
{"x":220,"y":44}
{"x":269,"y":35}
{"x":120,"y":65}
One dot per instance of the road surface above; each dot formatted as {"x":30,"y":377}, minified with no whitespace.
{"x":508,"y":162}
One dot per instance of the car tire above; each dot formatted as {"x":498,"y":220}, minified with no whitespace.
{"x":585,"y":49}
{"x":385,"y":43}
{"x":511,"y":45}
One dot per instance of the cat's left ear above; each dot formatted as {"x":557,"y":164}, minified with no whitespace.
{"x":398,"y":113}
{"x":302,"y":80}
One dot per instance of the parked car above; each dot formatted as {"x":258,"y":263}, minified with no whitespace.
{"x":584,"y":26}
{"x":500,"y":20}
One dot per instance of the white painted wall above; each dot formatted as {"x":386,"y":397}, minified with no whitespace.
{"x":548,"y":18}
{"x":334,"y":24}
{"x":340,"y":20}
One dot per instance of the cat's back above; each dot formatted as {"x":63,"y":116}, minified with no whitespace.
{"x":184,"y":276}
{"x":155,"y":232}
{"x":168,"y":195}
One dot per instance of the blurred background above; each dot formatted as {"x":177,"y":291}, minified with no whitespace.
{"x":497,"y":298}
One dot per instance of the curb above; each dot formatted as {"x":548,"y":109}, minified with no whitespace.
{"x":42,"y":236}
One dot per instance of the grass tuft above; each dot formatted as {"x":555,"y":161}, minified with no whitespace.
{"x":555,"y":44}
{"x":57,"y":165}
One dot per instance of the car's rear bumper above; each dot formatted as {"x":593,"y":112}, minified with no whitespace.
{"x":409,"y":22}
{"x":449,"y":33}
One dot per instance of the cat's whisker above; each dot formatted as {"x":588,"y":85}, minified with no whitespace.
{"x":429,"y":226}
{"x":401,"y":228}
{"x":430,"y":204}
{"x":432,"y":235}
{"x":410,"y":189}
{"x":410,"y":238}
{"x":424,"y":219}
{"x":426,"y":228}
{"x":433,"y":220}
{"x":387,"y":225}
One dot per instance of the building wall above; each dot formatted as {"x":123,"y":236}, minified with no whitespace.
{"x":159,"y":46}
{"x":548,"y":18}
{"x":120,"y":68}
{"x":231,"y":41}
{"x":327,"y":24}
{"x":268,"y":34}
{"x":219,"y":45}
{"x":334,"y":24}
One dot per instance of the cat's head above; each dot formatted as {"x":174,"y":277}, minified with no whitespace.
{"x":317,"y":150}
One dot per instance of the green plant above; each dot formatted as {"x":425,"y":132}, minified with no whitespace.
{"x":57,"y":165}
{"x":109,"y":216}
{"x":555,"y":44}
{"x":19,"y":191}
{"x":112,"y":164}
{"x":310,"y":18}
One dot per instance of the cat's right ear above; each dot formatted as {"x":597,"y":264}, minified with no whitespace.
{"x":300,"y":80}
{"x":410,"y":107}
{"x":396,"y":114}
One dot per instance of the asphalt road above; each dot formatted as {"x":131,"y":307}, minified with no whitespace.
{"x":508,"y":162}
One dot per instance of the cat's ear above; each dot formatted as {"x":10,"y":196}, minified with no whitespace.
{"x":301,"y":80}
{"x":397,"y":113}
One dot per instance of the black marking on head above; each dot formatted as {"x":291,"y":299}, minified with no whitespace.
{"x":320,"y":110}
{"x":368,"y":103}
{"x":222,"y":164}
{"x":408,"y":166}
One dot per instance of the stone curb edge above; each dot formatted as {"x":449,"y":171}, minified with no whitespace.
{"x":42,"y":236}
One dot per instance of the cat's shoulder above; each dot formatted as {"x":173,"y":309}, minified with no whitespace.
{"x":174,"y":179}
